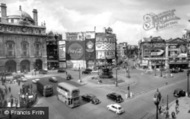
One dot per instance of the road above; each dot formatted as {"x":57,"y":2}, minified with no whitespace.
{"x":136,"y":108}
{"x":139,"y":107}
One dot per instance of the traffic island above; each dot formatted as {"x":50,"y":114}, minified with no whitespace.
{"x":97,"y":80}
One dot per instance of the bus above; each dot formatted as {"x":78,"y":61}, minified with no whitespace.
{"x":68,"y":94}
{"x":44,"y":88}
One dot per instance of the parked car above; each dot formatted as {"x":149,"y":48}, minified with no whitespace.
{"x":91,"y":98}
{"x":61,"y":70}
{"x":43,"y":71}
{"x":23,"y":79}
{"x":53,"y":79}
{"x":35,"y":80}
{"x":116,"y":108}
{"x":179,"y":93}
{"x":174,"y":70}
{"x":115,"y":97}
{"x":87,"y":71}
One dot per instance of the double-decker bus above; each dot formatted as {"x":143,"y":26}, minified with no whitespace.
{"x":68,"y":94}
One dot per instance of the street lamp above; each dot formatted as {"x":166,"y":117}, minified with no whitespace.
{"x":155,"y":70}
{"x":157,"y":99}
{"x":188,"y":71}
{"x":79,"y":75}
{"x":116,"y":83}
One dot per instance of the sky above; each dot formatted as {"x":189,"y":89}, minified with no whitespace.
{"x":125,"y":17}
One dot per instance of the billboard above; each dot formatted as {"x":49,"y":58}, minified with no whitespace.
{"x":75,"y":36}
{"x":75,"y":50}
{"x":90,"y":35}
{"x":105,"y":42}
{"x":90,"y":52}
{"x":105,"y":54}
{"x":62,"y":49}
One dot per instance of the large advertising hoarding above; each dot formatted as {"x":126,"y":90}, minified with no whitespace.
{"x":105,"y":46}
{"x":154,"y":50}
{"x":62,"y":50}
{"x":90,"y":52}
{"x":70,"y":36}
{"x":90,"y":35}
{"x":75,"y":50}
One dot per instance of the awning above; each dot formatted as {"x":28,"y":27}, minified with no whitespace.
{"x":178,"y":62}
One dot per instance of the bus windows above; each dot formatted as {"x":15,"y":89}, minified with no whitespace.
{"x":70,"y":101}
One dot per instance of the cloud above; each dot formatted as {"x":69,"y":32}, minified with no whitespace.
{"x":124,"y":16}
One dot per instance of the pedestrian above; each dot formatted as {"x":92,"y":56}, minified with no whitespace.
{"x":173,"y":115}
{"x":9,"y":89}
{"x":176,"y":109}
{"x":177,"y":102}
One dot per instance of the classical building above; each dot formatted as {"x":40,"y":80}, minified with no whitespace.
{"x":22,"y":41}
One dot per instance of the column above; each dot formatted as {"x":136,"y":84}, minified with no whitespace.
{"x":166,"y":56}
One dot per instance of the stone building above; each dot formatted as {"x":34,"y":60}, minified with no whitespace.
{"x":22,"y":41}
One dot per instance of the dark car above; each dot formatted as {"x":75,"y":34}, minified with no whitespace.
{"x":87,"y":71}
{"x":115,"y":97}
{"x":91,"y":98}
{"x":53,"y":79}
{"x":174,"y":70}
{"x":61,"y":70}
{"x":179,"y":93}
{"x":43,"y":71}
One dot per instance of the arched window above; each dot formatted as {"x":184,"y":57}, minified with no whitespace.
{"x":10,"y":45}
{"x":25,"y":48}
{"x":37,"y":49}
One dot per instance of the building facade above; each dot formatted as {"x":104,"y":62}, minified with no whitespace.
{"x":159,"y":53}
{"x":122,"y":50}
{"x":22,"y":41}
{"x":53,"y":50}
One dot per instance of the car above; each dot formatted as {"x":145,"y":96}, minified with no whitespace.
{"x":174,"y":70}
{"x":179,"y":93}
{"x":53,"y":79}
{"x":87,"y":71}
{"x":91,"y":98}
{"x":42,"y":71}
{"x":115,"y":97}
{"x":35,"y":80}
{"x":23,"y":79}
{"x":116,"y":108}
{"x":61,"y":70}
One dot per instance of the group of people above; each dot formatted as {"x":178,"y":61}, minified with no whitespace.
{"x":4,"y":91}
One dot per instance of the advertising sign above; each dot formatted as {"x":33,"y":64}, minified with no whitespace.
{"x":160,"y":21}
{"x":105,"y":42}
{"x":62,"y":50}
{"x":90,"y":35}
{"x":90,"y":49}
{"x":105,"y":54}
{"x":75,"y":50}
{"x":75,"y":36}
{"x":62,"y":64}
{"x":181,"y":50}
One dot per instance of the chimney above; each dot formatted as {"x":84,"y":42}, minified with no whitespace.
{"x":35,"y":16}
{"x":3,"y":12}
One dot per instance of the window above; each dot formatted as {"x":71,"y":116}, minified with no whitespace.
{"x":37,"y":48}
{"x":10,"y":48}
{"x":25,"y":50}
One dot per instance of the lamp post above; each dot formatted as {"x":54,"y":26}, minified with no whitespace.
{"x":161,"y":69}
{"x":188,"y":71}
{"x":79,"y":75}
{"x":155,"y":70}
{"x":116,"y":83}
{"x":157,"y":99}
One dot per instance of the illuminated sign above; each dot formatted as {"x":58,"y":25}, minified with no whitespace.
{"x":160,"y":21}
{"x":62,"y":50}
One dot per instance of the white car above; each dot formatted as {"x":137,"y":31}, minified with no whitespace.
{"x":24,"y":79}
{"x":116,"y":108}
{"x":35,"y":80}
